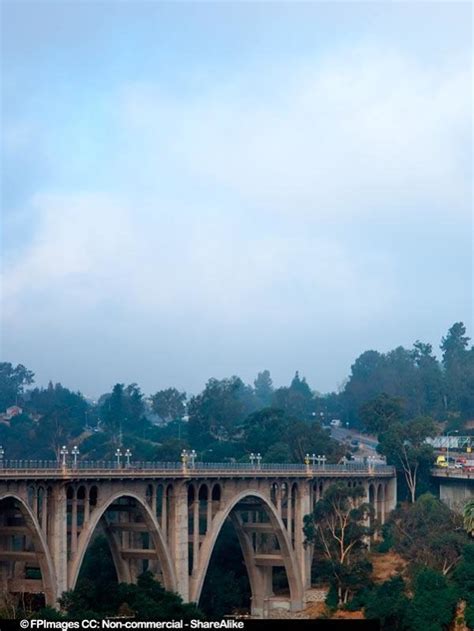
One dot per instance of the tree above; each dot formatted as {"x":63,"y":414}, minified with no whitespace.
{"x":98,"y":595}
{"x":378,"y":414}
{"x":388,"y":603}
{"x":363,"y":384}
{"x":468,"y":517}
{"x":428,"y":385}
{"x":219,"y":411}
{"x":12,"y":383}
{"x":455,"y":343}
{"x":123,"y":410}
{"x":113,"y":409}
{"x":464,"y":577}
{"x":265,"y":428}
{"x":297,"y":400}
{"x":62,"y":415}
{"x":404,"y":446}
{"x":169,"y":404}
{"x":458,"y":364}
{"x":263,"y":387}
{"x":338,"y":529}
{"x":433,"y":605}
{"x":428,"y":533}
{"x":135,"y":408}
{"x":281,"y":438}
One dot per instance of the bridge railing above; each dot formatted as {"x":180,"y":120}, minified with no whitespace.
{"x":177,"y":467}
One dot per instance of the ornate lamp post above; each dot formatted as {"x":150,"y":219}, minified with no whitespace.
{"x":252,"y":459}
{"x":258,"y":458}
{"x":192,"y":457}
{"x":313,"y":459}
{"x":453,"y":431}
{"x":128,"y":455}
{"x":64,"y":452}
{"x":184,"y":458}
{"x":75,"y":453}
{"x":118,"y":455}
{"x":306,"y":461}
{"x":2,"y":453}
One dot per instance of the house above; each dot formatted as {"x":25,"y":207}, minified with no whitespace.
{"x":11,"y":412}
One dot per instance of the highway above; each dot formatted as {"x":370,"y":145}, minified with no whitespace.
{"x":343,"y":435}
{"x":367,"y":444}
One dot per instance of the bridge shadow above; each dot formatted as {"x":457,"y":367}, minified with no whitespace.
{"x":226,"y":586}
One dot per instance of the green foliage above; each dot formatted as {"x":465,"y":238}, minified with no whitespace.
{"x":13,"y":380}
{"x":332,"y":598}
{"x":98,"y":594}
{"x":297,"y":400}
{"x":122,"y":411}
{"x":52,"y":416}
{"x":468,"y":516}
{"x":281,"y":438}
{"x":388,"y":541}
{"x":169,"y":404}
{"x":337,"y":529}
{"x":434,"y":602}
{"x":378,"y":414}
{"x":426,"y":387}
{"x":388,"y":604}
{"x":219,"y":411}
{"x":404,"y":446}
{"x":427,"y":533}
{"x":464,"y":577}
{"x":263,"y":387}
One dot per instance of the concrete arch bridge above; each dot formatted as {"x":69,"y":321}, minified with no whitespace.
{"x":166,"y":518}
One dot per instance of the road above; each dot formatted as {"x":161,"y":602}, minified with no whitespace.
{"x":343,"y":435}
{"x":367,"y":444}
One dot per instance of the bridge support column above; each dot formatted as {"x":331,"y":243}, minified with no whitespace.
{"x":278,"y":500}
{"x":58,"y":538}
{"x":44,"y":511}
{"x":390,"y":495}
{"x":74,"y":524}
{"x":195,"y":535}
{"x":263,"y":590}
{"x":164,"y":513}
{"x":179,"y":540}
{"x":302,"y":508}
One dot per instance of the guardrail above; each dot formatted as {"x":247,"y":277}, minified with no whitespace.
{"x":452,"y":473}
{"x":10,"y":467}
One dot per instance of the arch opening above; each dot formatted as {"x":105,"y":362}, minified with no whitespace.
{"x":268,"y":558}
{"x":131,"y":530}
{"x":26,"y":569}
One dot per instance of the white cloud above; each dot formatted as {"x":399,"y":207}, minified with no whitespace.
{"x":252,"y":211}
{"x":355,"y":135}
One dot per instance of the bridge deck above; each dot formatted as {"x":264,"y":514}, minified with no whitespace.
{"x":452,"y":474}
{"x":212,"y":470}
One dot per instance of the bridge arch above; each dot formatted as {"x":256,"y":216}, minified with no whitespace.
{"x":288,"y":554}
{"x":153,"y":528}
{"x":48,"y":574}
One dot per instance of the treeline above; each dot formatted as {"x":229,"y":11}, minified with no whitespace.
{"x":230,"y":418}
{"x":430,"y":565}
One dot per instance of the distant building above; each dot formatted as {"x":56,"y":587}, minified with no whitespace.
{"x":11,"y":412}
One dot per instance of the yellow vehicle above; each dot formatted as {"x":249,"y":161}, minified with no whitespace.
{"x":441,"y":461}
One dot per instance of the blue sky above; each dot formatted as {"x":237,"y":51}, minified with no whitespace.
{"x":205,"y":189}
